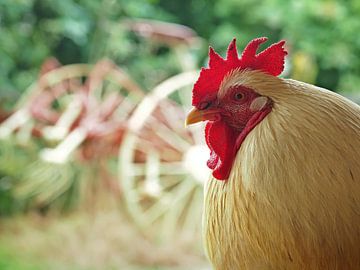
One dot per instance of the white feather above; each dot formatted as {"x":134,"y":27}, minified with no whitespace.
{"x":292,"y":200}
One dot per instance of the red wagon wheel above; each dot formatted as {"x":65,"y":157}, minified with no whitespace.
{"x":75,"y":104}
{"x":75,"y":112}
{"x":158,"y":162}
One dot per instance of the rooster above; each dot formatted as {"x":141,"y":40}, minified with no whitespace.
{"x":285,"y":161}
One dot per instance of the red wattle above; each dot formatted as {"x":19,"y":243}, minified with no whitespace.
{"x":221,"y":140}
{"x":224,"y":142}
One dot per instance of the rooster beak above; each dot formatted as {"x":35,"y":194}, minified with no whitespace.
{"x":196,"y":116}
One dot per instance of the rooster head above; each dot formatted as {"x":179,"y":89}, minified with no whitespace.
{"x":232,"y":109}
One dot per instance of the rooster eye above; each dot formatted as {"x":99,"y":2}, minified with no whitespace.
{"x":238,"y":96}
{"x":204,"y":105}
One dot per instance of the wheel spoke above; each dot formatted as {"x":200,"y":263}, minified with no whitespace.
{"x":170,"y":137}
{"x":167,"y":201}
{"x":171,"y":220}
{"x":166,"y":168}
{"x":171,"y":115}
{"x":195,"y":208}
{"x":152,"y":178}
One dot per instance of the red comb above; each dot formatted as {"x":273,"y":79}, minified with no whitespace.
{"x":271,"y":61}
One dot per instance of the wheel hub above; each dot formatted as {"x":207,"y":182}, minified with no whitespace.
{"x":195,"y":162}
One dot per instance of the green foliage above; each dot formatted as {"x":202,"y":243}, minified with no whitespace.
{"x":74,"y":32}
{"x":12,"y":162}
{"x":27,"y":182}
{"x":322,"y":37}
{"x":85,"y":31}
{"x":325,"y":30}
{"x":11,"y":261}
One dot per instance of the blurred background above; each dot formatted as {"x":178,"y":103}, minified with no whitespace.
{"x":96,"y":168}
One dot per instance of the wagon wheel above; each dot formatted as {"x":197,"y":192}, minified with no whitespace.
{"x":75,"y":104}
{"x":76,"y":112}
{"x":159,"y":162}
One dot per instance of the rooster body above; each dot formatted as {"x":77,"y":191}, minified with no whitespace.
{"x":292,"y":200}
{"x":285,"y":191}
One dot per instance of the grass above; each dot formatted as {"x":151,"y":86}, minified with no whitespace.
{"x":10,"y":260}
{"x":104,"y":240}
